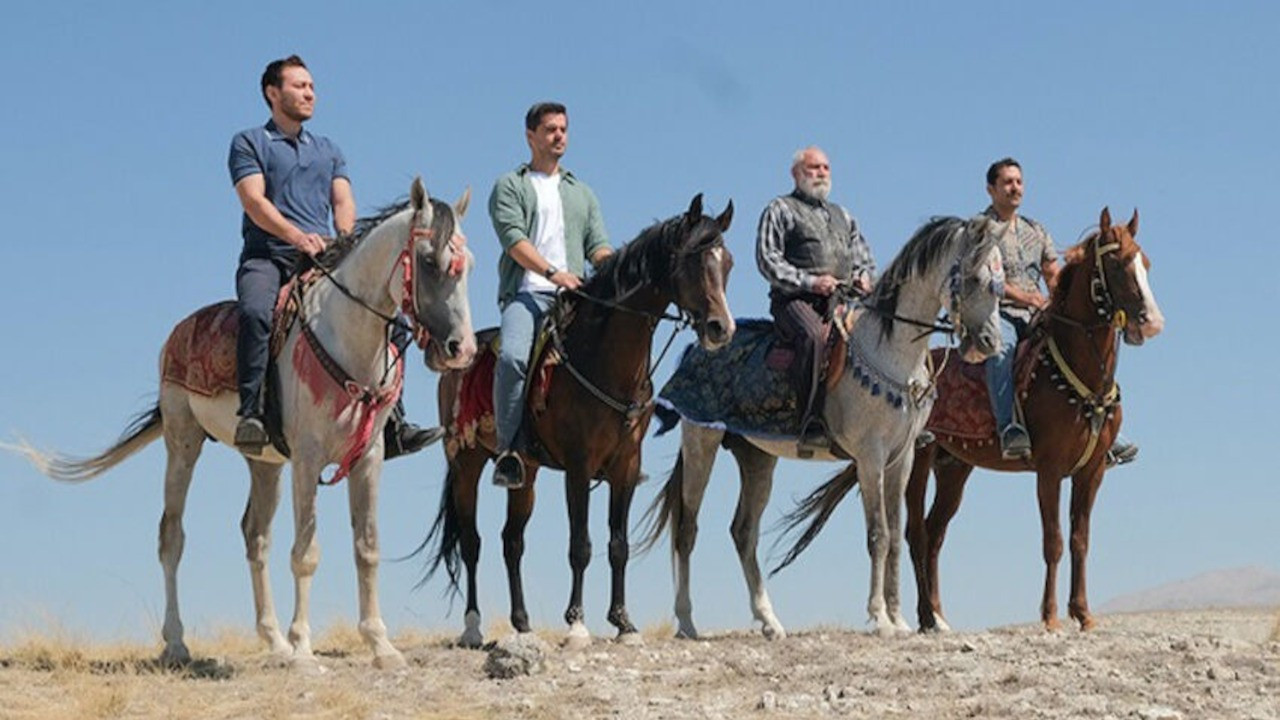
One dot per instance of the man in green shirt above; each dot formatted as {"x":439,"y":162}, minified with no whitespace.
{"x":549,"y":224}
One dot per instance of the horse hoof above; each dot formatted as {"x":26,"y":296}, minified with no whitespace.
{"x":307,"y":665}
{"x":578,"y":638}
{"x":630,"y":639}
{"x":471,"y":639}
{"x":1087,"y":623}
{"x":175,"y":656}
{"x":389,"y":661}
{"x":773,"y":632}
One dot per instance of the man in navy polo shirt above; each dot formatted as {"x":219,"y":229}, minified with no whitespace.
{"x":290,"y":183}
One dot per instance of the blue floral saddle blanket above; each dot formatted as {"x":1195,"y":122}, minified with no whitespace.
{"x":738,"y":388}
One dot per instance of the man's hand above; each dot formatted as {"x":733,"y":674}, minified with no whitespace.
{"x":825,"y":285}
{"x":309,"y":243}
{"x":1028,"y":299}
{"x":566,"y":280}
{"x":862,"y":284}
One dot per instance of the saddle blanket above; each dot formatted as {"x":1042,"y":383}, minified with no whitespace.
{"x":200,"y":354}
{"x":963,"y":407}
{"x":473,"y":406}
{"x":738,"y":388}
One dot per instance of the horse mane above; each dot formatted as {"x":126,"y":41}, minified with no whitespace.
{"x":1073,"y":259}
{"x":647,"y":258}
{"x":920,"y":253}
{"x":340,"y":247}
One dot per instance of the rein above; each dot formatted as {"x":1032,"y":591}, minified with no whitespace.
{"x":372,"y":398}
{"x":1096,"y":406}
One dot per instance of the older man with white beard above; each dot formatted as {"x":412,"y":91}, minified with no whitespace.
{"x":808,"y":248}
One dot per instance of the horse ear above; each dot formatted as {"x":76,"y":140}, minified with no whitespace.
{"x":418,"y":194}
{"x":460,"y":207}
{"x":726,"y":218}
{"x":1133,"y":224}
{"x":1104,"y":223}
{"x":695,"y":207}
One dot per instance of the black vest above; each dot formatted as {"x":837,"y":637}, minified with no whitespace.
{"x":819,"y":240}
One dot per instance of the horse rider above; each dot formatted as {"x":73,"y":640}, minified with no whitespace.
{"x":1029,"y":257}
{"x":291,"y":183}
{"x":548,"y":223}
{"x":808,"y":248}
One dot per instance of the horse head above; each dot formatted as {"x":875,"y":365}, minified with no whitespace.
{"x":977,"y":284}
{"x":1122,"y":288}
{"x":701,"y":272}
{"x":441,"y":264}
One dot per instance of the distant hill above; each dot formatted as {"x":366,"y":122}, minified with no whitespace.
{"x":1253,"y":586}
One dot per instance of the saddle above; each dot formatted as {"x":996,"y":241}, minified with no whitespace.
{"x":782,"y":354}
{"x":200,"y":353}
{"x":963,"y":408}
{"x":473,"y":411}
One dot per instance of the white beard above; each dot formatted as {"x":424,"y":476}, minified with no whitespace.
{"x":815,"y":188}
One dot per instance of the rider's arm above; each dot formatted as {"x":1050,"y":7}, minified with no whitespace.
{"x":508,"y":222}
{"x":864,"y":265}
{"x":252,"y":191}
{"x":770,"y":246}
{"x":344,"y":206}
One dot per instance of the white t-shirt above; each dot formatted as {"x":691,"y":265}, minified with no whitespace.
{"x":548,"y":230}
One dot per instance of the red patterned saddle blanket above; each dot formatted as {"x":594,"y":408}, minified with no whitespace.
{"x":473,"y":405}
{"x":200,"y":354}
{"x":963,"y":407}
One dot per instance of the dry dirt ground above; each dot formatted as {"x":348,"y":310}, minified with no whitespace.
{"x":1192,"y":664}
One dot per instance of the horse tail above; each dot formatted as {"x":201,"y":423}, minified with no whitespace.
{"x":665,"y":511}
{"x":142,"y":430}
{"x":445,"y":534}
{"x":816,"y":509}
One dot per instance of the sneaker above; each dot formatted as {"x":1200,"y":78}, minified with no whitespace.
{"x":1015,"y":443}
{"x":251,"y":434}
{"x":405,"y":438}
{"x":1122,"y":451}
{"x":508,"y":471}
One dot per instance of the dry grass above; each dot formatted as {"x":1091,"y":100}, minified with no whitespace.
{"x":1275,"y":631}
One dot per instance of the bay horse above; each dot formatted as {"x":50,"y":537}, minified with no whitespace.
{"x":597,"y":407}
{"x":337,"y":382}
{"x":1072,"y":411}
{"x":873,"y":413}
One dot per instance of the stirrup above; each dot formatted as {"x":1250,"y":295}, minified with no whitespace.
{"x":251,"y":434}
{"x":1015,"y":443}
{"x":508,"y":471}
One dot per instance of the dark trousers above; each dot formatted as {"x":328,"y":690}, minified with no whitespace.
{"x":258,"y":282}
{"x":802,"y":321}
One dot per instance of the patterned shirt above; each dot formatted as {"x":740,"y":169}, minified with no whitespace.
{"x":1024,"y":248}
{"x":790,"y":244}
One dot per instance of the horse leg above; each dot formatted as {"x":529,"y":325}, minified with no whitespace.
{"x":1084,"y":490}
{"x":519,"y":509}
{"x":950,"y":476}
{"x":577,"y":497}
{"x":895,"y":480}
{"x":917,"y":534}
{"x":755,"y":468}
{"x":464,"y":479}
{"x":1048,"y":490}
{"x":622,"y":487}
{"x":871,"y":478}
{"x":698,"y":447}
{"x":183,"y":440}
{"x":305,"y":555}
{"x":362,"y":496}
{"x":255,"y":525}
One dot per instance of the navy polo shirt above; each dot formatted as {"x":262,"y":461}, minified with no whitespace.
{"x":299,"y":174}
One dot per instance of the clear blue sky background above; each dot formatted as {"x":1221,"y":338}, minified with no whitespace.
{"x":120,"y":219}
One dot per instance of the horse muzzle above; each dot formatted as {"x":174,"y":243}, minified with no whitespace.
{"x":716,"y":332}
{"x":454,"y":353}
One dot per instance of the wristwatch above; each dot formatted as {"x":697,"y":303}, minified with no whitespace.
{"x":551,"y":270}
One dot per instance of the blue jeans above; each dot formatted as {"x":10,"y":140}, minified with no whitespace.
{"x":521,"y":318}
{"x":1000,"y":371}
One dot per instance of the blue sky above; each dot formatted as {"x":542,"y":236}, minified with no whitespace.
{"x":120,"y":220}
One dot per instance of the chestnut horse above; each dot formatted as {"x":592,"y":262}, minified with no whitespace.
{"x":598,"y":405}
{"x":1072,"y":412}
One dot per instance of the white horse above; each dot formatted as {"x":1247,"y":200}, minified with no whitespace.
{"x":873,"y":414}
{"x":337,"y":382}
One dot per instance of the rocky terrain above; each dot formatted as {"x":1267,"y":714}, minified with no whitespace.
{"x":1151,"y":666}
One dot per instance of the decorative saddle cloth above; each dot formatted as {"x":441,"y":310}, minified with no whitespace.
{"x":473,"y":406}
{"x":963,"y":407}
{"x":742,"y":388}
{"x":200,"y":354}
